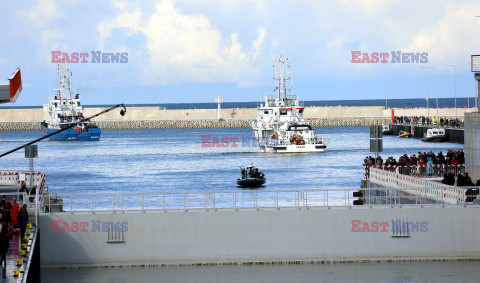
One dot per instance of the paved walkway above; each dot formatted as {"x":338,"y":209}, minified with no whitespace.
{"x":12,"y":256}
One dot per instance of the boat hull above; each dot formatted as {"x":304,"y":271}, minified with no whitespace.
{"x":387,"y":132}
{"x":404,"y":135}
{"x":251,"y":182}
{"x":93,"y":134}
{"x":434,"y":139}
{"x":293,"y":148}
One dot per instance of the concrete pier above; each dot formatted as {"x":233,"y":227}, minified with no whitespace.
{"x":159,"y":117}
{"x":268,"y":236}
{"x":267,"y":227}
{"x":23,"y":258}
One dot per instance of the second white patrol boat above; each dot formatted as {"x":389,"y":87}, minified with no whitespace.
{"x":279,"y":126}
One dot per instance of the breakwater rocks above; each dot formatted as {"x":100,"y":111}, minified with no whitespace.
{"x":202,"y":123}
{"x":20,"y":126}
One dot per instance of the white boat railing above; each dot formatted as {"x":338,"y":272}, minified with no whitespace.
{"x":252,"y":199}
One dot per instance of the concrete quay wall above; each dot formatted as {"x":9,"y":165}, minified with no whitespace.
{"x":472,"y":144}
{"x":268,"y":235}
{"x":159,"y":117}
{"x":453,"y":135}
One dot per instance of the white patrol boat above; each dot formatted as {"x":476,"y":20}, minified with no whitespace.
{"x":280,"y":127}
{"x":64,"y":110}
{"x":435,"y":135}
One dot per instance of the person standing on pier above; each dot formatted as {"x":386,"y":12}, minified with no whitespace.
{"x":15,"y":210}
{"x":430,"y":166}
{"x":4,"y":243}
{"x":5,"y":211}
{"x":22,"y":219}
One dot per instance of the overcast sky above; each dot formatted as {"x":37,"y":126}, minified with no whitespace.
{"x":184,"y":51}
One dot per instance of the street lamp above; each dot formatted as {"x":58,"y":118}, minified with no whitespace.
{"x":436,"y":88}
{"x":455,"y":88}
{"x":428,"y":94}
{"x":468,"y":96}
{"x":386,"y":99}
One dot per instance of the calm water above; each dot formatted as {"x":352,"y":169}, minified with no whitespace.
{"x":174,"y":160}
{"x":352,"y":272}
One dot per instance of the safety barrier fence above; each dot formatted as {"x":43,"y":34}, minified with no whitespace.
{"x":13,"y":178}
{"x":422,"y":171}
{"x":258,"y":199}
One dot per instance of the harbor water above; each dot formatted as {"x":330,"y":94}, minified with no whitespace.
{"x":169,"y":160}
{"x":341,"y":272}
{"x":152,"y":160}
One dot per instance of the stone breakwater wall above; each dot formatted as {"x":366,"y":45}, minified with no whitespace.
{"x":159,"y":117}
{"x":206,"y":123}
{"x":232,"y":123}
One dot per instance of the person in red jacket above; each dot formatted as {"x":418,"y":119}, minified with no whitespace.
{"x":421,"y":162}
{"x":14,"y":212}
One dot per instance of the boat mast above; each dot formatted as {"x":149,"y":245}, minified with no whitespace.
{"x":63,"y":82}
{"x":282,"y":77}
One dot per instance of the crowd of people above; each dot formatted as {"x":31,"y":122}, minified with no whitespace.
{"x":452,"y":157}
{"x":13,"y":221}
{"x":429,"y":160}
{"x":461,"y":180}
{"x":422,"y":120}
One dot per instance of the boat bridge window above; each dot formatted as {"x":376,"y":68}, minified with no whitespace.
{"x":283,"y":112}
{"x":78,"y":103}
{"x":55,"y":104}
{"x":300,"y":111}
{"x":300,"y":128}
{"x":266,"y":111}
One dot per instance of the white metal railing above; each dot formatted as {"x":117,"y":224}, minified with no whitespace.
{"x":256,"y":199}
{"x":422,"y":171}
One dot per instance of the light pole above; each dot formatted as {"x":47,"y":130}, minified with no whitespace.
{"x":476,"y":100}
{"x":436,"y":89}
{"x":428,"y":94}
{"x":455,"y":71}
{"x":386,"y":99}
{"x":468,"y":96}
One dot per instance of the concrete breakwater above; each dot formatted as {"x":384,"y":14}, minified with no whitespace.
{"x":204,"y":123}
{"x":159,"y":117}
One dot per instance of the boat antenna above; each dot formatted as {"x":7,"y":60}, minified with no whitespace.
{"x":49,"y":78}
{"x":122,"y":112}
{"x":257,"y":96}
{"x":303,"y":95}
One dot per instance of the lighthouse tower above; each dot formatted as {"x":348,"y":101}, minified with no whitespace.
{"x":219,"y":100}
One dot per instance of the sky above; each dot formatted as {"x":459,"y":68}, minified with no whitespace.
{"x":190,"y":50}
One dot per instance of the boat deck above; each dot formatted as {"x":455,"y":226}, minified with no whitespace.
{"x":8,"y":189}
